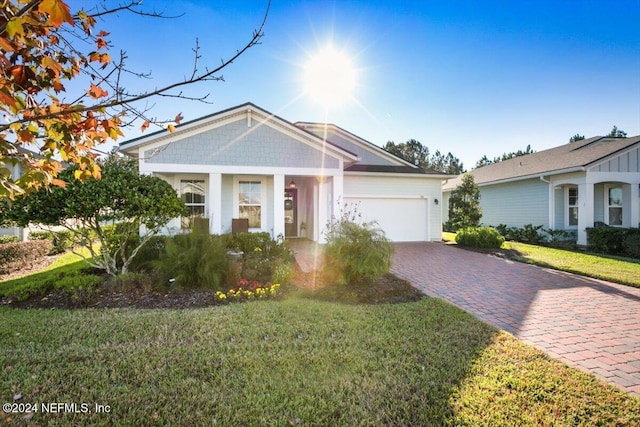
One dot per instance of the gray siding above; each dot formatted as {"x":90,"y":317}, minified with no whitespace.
{"x":235,"y":144}
{"x":516,"y":203}
{"x":627,"y":162}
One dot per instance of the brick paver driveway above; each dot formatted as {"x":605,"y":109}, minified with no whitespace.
{"x":589,"y":324}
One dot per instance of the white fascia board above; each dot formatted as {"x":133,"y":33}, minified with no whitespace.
{"x":384,"y":196}
{"x":532,"y":176}
{"x":396,"y":174}
{"x":236,"y":170}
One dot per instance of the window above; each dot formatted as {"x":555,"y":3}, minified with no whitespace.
{"x":572,"y":204}
{"x":192,"y":194}
{"x":614,"y":205}
{"x":250,"y":202}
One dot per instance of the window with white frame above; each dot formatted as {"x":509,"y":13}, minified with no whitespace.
{"x":572,"y":206}
{"x":192,"y":193}
{"x":250,"y":202}
{"x":614,"y":205}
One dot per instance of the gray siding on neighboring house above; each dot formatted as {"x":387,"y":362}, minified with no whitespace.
{"x":627,"y":162}
{"x":235,"y":144}
{"x":515,"y":203}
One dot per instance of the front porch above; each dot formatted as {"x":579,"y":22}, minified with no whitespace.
{"x":288,"y":205}
{"x":580,"y":203}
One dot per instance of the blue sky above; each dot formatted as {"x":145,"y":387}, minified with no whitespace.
{"x":469,"y":77}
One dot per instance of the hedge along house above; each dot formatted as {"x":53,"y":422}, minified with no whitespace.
{"x":246,"y":166}
{"x":571,"y":187}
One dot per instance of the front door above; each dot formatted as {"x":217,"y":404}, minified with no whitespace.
{"x":291,"y":212}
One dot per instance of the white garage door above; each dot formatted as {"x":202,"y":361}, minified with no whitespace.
{"x":403,"y":220}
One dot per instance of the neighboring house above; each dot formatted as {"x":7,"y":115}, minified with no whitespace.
{"x":287,"y":179}
{"x":570,"y":187}
{"x":16,"y":172}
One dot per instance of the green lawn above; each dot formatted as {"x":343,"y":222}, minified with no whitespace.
{"x":296,"y":360}
{"x":37,"y":283}
{"x":615,"y":269}
{"x":605,"y":267}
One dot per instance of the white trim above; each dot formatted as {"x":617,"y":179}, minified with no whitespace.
{"x":400,"y":175}
{"x":536,"y":175}
{"x":231,"y":170}
{"x":622,"y":177}
{"x":607,"y":220}
{"x":383,"y":196}
{"x":215,"y":203}
{"x":278,"y":208}
{"x":585,"y":211}
{"x":247,"y":111}
{"x":567,"y":206}
{"x":263,"y":198}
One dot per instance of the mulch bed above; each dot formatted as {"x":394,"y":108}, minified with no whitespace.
{"x":189,"y":298}
{"x":385,"y":289}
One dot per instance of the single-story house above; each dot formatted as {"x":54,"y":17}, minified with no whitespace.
{"x":245,"y":165}
{"x":570,"y":187}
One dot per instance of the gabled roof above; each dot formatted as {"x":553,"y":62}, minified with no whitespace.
{"x":209,"y":119}
{"x":576,"y":156}
{"x":372,"y":157}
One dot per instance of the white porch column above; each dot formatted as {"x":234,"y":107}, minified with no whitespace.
{"x":635,"y":204}
{"x":552,"y":206}
{"x":278,"y":208}
{"x":338,"y":190}
{"x":323,"y":207}
{"x":214,"y":202}
{"x":585,"y":211}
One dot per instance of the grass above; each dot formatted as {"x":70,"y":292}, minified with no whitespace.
{"x":67,"y":264}
{"x":299,"y":360}
{"x":605,"y":267}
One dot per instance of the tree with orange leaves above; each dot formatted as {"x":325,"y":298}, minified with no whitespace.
{"x":40,"y":55}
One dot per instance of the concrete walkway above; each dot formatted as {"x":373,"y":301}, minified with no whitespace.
{"x":589,"y":324}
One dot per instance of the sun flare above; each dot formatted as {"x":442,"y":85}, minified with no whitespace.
{"x":330,"y":77}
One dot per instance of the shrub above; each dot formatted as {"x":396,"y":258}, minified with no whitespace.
{"x":631,"y":244}
{"x":16,"y":255}
{"x":615,"y":240}
{"x":194,"y":260}
{"x":60,"y":240}
{"x":79,"y":286}
{"x":354,"y":251}
{"x":561,"y":237}
{"x":8,"y":239}
{"x":130,"y":282}
{"x":148,"y":254}
{"x":528,"y":234}
{"x":479,"y":237}
{"x":262,"y":255}
{"x":257,"y":242}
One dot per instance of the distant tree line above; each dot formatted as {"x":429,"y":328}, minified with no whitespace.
{"x":417,"y":154}
{"x":615,"y":133}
